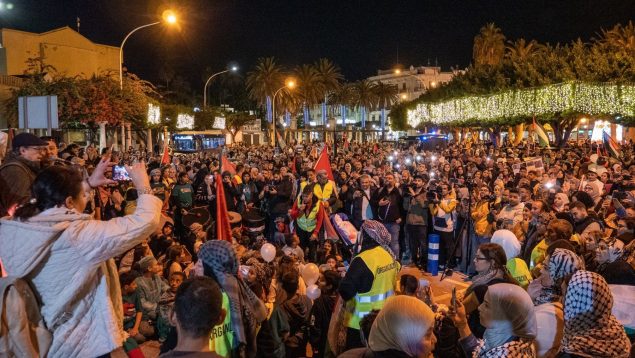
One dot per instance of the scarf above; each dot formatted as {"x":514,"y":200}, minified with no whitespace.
{"x":521,"y":348}
{"x":400,"y":325}
{"x":511,"y":314}
{"x":590,"y":330}
{"x":377,"y":231}
{"x":481,"y":279}
{"x":563,"y":263}
{"x":219,"y":260}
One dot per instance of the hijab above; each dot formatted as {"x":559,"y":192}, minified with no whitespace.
{"x":590,"y":330}
{"x":508,"y":241}
{"x":565,"y":200}
{"x":511,"y":314}
{"x":614,"y":252}
{"x":378,"y":233}
{"x":400,"y":325}
{"x":563,"y":262}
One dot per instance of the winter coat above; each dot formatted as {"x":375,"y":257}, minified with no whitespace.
{"x":16,"y":175}
{"x":77,"y":282}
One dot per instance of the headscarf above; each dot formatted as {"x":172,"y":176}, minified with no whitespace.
{"x":147,"y":262}
{"x":219,"y":260}
{"x":400,"y":325}
{"x":508,"y":241}
{"x":511,"y":314}
{"x":378,"y":232}
{"x":564,"y":262}
{"x":565,"y":200}
{"x":590,"y":330}
{"x":615,"y":250}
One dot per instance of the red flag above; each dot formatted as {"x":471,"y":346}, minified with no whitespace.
{"x":323,"y":163}
{"x":223,"y":228}
{"x":227,"y":165}
{"x":329,"y":230}
{"x":165,"y":159}
{"x":293,"y":168}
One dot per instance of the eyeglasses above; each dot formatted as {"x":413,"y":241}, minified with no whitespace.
{"x":476,"y":258}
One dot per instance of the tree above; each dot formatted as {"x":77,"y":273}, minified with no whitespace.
{"x":343,"y":97}
{"x":489,"y":46}
{"x":310,"y":88}
{"x":386,"y":95}
{"x":330,"y":78}
{"x":264,"y":80}
{"x":235,"y":121}
{"x":364,"y":98}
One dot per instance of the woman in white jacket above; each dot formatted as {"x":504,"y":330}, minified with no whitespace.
{"x":68,"y":257}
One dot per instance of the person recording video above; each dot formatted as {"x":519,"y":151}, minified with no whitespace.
{"x":443,"y":210}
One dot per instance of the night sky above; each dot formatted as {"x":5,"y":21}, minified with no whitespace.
{"x":359,"y":36}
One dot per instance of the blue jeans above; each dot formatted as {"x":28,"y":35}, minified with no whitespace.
{"x":393,"y":229}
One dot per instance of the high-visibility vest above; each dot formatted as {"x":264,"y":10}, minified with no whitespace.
{"x":385,"y":270}
{"x":308,"y":222}
{"x":519,"y":271}
{"x":318,"y":192}
{"x":222,"y":339}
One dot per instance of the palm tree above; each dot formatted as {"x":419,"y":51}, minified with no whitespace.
{"x":489,"y":46}
{"x":386,"y":95}
{"x":521,"y":50}
{"x":622,"y":37}
{"x":330,"y":77}
{"x":310,"y":88}
{"x":342,"y":97}
{"x":364,"y":99}
{"x":263,"y":81}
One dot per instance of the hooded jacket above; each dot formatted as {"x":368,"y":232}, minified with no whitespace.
{"x":77,"y":281}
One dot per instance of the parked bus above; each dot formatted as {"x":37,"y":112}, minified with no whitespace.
{"x":197,"y":141}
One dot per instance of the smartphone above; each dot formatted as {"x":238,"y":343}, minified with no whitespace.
{"x":453,"y":301}
{"x":119,"y":173}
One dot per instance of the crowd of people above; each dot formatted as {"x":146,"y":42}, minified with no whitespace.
{"x":123,"y":247}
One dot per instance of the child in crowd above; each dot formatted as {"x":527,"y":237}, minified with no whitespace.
{"x":132,"y":310}
{"x":166,"y":303}
{"x":150,"y":287}
{"x":292,"y":248}
{"x":297,"y":309}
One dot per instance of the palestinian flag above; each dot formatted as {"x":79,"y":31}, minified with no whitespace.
{"x":543,"y":139}
{"x":611,"y":146}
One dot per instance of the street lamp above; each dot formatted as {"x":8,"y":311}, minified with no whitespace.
{"x":289,"y":84}
{"x":232,"y":69}
{"x":170,"y":18}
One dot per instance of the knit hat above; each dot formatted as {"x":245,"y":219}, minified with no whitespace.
{"x":147,"y":262}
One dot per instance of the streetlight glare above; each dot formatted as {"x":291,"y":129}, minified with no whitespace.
{"x":290,"y":84}
{"x":403,"y":96}
{"x":169,"y":16}
{"x":397,"y":71}
{"x":234,"y":68}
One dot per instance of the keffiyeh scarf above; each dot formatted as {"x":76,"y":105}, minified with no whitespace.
{"x":219,"y":258}
{"x":564,"y":262}
{"x":590,"y":330}
{"x":521,"y":348}
{"x":378,"y":232}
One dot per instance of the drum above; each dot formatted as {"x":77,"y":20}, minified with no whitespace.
{"x":253,"y":222}
{"x":235,"y":220}
{"x":199,"y":215}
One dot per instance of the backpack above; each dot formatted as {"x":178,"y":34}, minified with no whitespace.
{"x":23,"y":332}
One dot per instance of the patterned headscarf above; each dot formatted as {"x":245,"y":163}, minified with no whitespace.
{"x":590,"y":330}
{"x":219,"y":260}
{"x":564,"y":262}
{"x":378,"y":232}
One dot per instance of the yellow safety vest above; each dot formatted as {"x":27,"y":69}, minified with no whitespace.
{"x":222,"y":339}
{"x":385,"y":270}
{"x":322,"y":195}
{"x":519,"y":271}
{"x":308,"y":222}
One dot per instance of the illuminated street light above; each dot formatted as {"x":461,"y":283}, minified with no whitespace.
{"x":232,"y":69}
{"x":404,"y":96}
{"x":289,"y":85}
{"x":397,"y":71}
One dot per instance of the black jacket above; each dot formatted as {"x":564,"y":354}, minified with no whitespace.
{"x":354,"y":205}
{"x":393,"y":211}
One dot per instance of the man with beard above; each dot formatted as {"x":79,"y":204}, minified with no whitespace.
{"x":389,"y":211}
{"x":19,"y":171}
{"x":512,"y":213}
{"x":277,"y":194}
{"x":417,"y":222}
{"x":360,"y":203}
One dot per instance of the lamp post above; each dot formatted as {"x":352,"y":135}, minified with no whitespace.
{"x":290,"y":84}
{"x":170,"y":18}
{"x":232,"y":69}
